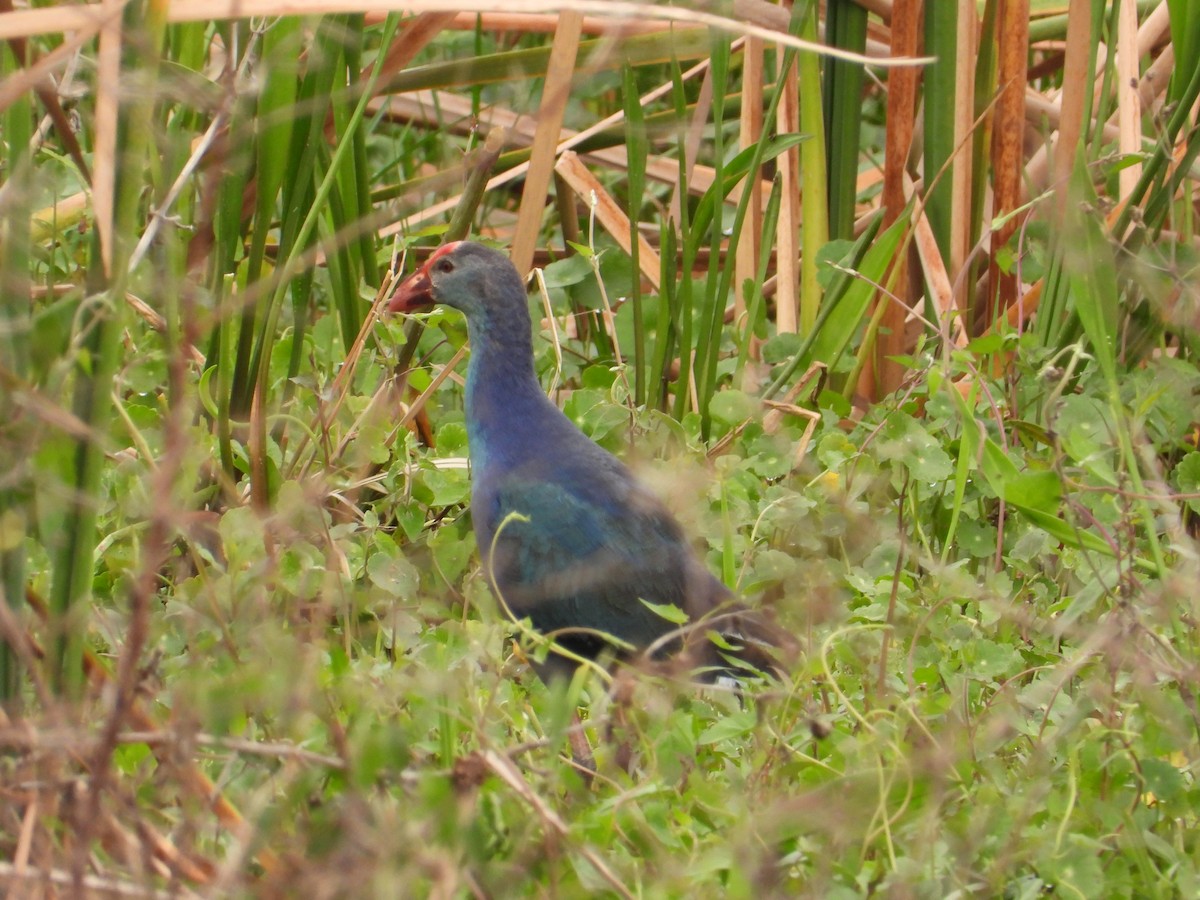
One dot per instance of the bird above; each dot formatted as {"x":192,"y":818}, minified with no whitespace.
{"x":568,"y":537}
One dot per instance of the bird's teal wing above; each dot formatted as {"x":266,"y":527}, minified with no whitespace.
{"x":570,"y":560}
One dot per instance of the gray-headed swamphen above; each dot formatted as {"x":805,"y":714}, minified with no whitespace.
{"x":590,"y":543}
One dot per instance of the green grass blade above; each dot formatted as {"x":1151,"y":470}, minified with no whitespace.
{"x":636,"y":151}
{"x":15,"y":324}
{"x":274,"y":123}
{"x":666,"y":331}
{"x":1185,"y":41}
{"x":841,"y":316}
{"x":1092,"y":272}
{"x":845,"y":28}
{"x":941,"y":41}
{"x":104,"y":324}
{"x":357,"y":188}
{"x":718,"y":277}
{"x":756,"y":318}
{"x":681,"y":311}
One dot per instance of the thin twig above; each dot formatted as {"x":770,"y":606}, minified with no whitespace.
{"x":507,"y":772}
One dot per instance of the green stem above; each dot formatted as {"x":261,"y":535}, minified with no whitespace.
{"x":15,"y":327}
{"x":814,"y":205}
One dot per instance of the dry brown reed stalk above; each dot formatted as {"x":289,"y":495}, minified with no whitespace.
{"x":1075,"y":82}
{"x":104,"y":176}
{"x":439,"y":109}
{"x":964,"y":124}
{"x":59,"y":20}
{"x":27,"y":881}
{"x":432,"y":213}
{"x":950,"y":323}
{"x":1008,"y":135}
{"x":1063,"y":108}
{"x":556,"y":91}
{"x":608,"y":212}
{"x":1129,"y":103}
{"x":787,"y":233}
{"x":881,"y":374}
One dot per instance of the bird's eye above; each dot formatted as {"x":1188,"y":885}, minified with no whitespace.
{"x":445,"y":266}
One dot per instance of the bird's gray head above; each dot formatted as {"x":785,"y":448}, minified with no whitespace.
{"x":470,"y":277}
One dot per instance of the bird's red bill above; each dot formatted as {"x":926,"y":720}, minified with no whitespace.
{"x":416,"y":290}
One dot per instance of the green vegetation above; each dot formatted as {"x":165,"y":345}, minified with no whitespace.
{"x":911,"y":350}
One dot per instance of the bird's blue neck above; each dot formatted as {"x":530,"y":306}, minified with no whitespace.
{"x":505,"y":406}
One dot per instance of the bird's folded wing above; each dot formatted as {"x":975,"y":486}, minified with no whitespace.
{"x":570,"y":559}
